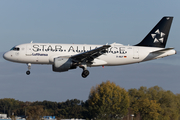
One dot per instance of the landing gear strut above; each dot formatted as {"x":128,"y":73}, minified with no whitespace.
{"x":85,"y":72}
{"x":29,"y":67}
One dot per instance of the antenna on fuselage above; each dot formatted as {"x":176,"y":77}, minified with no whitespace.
{"x":31,"y":41}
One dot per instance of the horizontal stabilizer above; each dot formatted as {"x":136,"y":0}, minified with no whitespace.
{"x":162,"y":50}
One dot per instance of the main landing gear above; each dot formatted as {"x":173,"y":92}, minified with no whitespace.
{"x":85,"y":72}
{"x":29,"y":67}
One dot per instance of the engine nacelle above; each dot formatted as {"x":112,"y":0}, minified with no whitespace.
{"x":62,"y":64}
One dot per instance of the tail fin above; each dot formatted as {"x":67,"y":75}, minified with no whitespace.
{"x":158,"y":36}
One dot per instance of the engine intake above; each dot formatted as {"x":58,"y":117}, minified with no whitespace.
{"x":62,"y":64}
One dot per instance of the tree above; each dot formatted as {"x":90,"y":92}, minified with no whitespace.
{"x":169,"y":106}
{"x":168,"y":102}
{"x":108,"y":101}
{"x":72,"y":109}
{"x":35,"y":112}
{"x":148,"y":109}
{"x":9,"y":105}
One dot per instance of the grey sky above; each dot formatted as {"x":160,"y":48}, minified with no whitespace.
{"x":86,"y":22}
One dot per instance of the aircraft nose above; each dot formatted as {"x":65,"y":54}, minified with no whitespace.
{"x":6,"y":55}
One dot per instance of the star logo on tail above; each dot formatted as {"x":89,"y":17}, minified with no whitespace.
{"x":158,"y":36}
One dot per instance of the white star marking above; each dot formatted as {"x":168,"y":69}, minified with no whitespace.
{"x":158,"y":36}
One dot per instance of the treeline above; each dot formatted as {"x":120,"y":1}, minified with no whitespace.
{"x":69,"y":109}
{"x":106,"y":101}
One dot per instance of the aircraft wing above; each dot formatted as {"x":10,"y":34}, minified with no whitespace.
{"x":90,"y":55}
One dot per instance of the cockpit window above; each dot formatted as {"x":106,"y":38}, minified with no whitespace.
{"x":15,"y":48}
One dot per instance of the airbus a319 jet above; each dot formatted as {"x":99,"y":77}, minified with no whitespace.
{"x":64,"y":57}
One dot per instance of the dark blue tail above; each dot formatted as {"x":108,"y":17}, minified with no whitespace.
{"x":158,"y":36}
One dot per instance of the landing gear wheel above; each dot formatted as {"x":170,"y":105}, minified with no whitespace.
{"x":28,"y":72}
{"x":85,"y":73}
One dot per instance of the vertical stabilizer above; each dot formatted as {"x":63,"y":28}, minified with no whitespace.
{"x":158,"y":36}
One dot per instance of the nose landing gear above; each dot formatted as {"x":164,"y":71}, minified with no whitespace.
{"x":28,"y":72}
{"x":29,"y":67}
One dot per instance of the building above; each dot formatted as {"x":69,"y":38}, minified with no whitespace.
{"x":3,"y":116}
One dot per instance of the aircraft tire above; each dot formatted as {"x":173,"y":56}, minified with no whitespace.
{"x":85,"y":73}
{"x":28,"y":72}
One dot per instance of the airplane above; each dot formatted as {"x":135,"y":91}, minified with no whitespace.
{"x":64,"y":57}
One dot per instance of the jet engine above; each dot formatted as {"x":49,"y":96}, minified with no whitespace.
{"x":62,"y":64}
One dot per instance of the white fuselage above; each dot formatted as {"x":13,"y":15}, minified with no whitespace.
{"x":118,"y":54}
